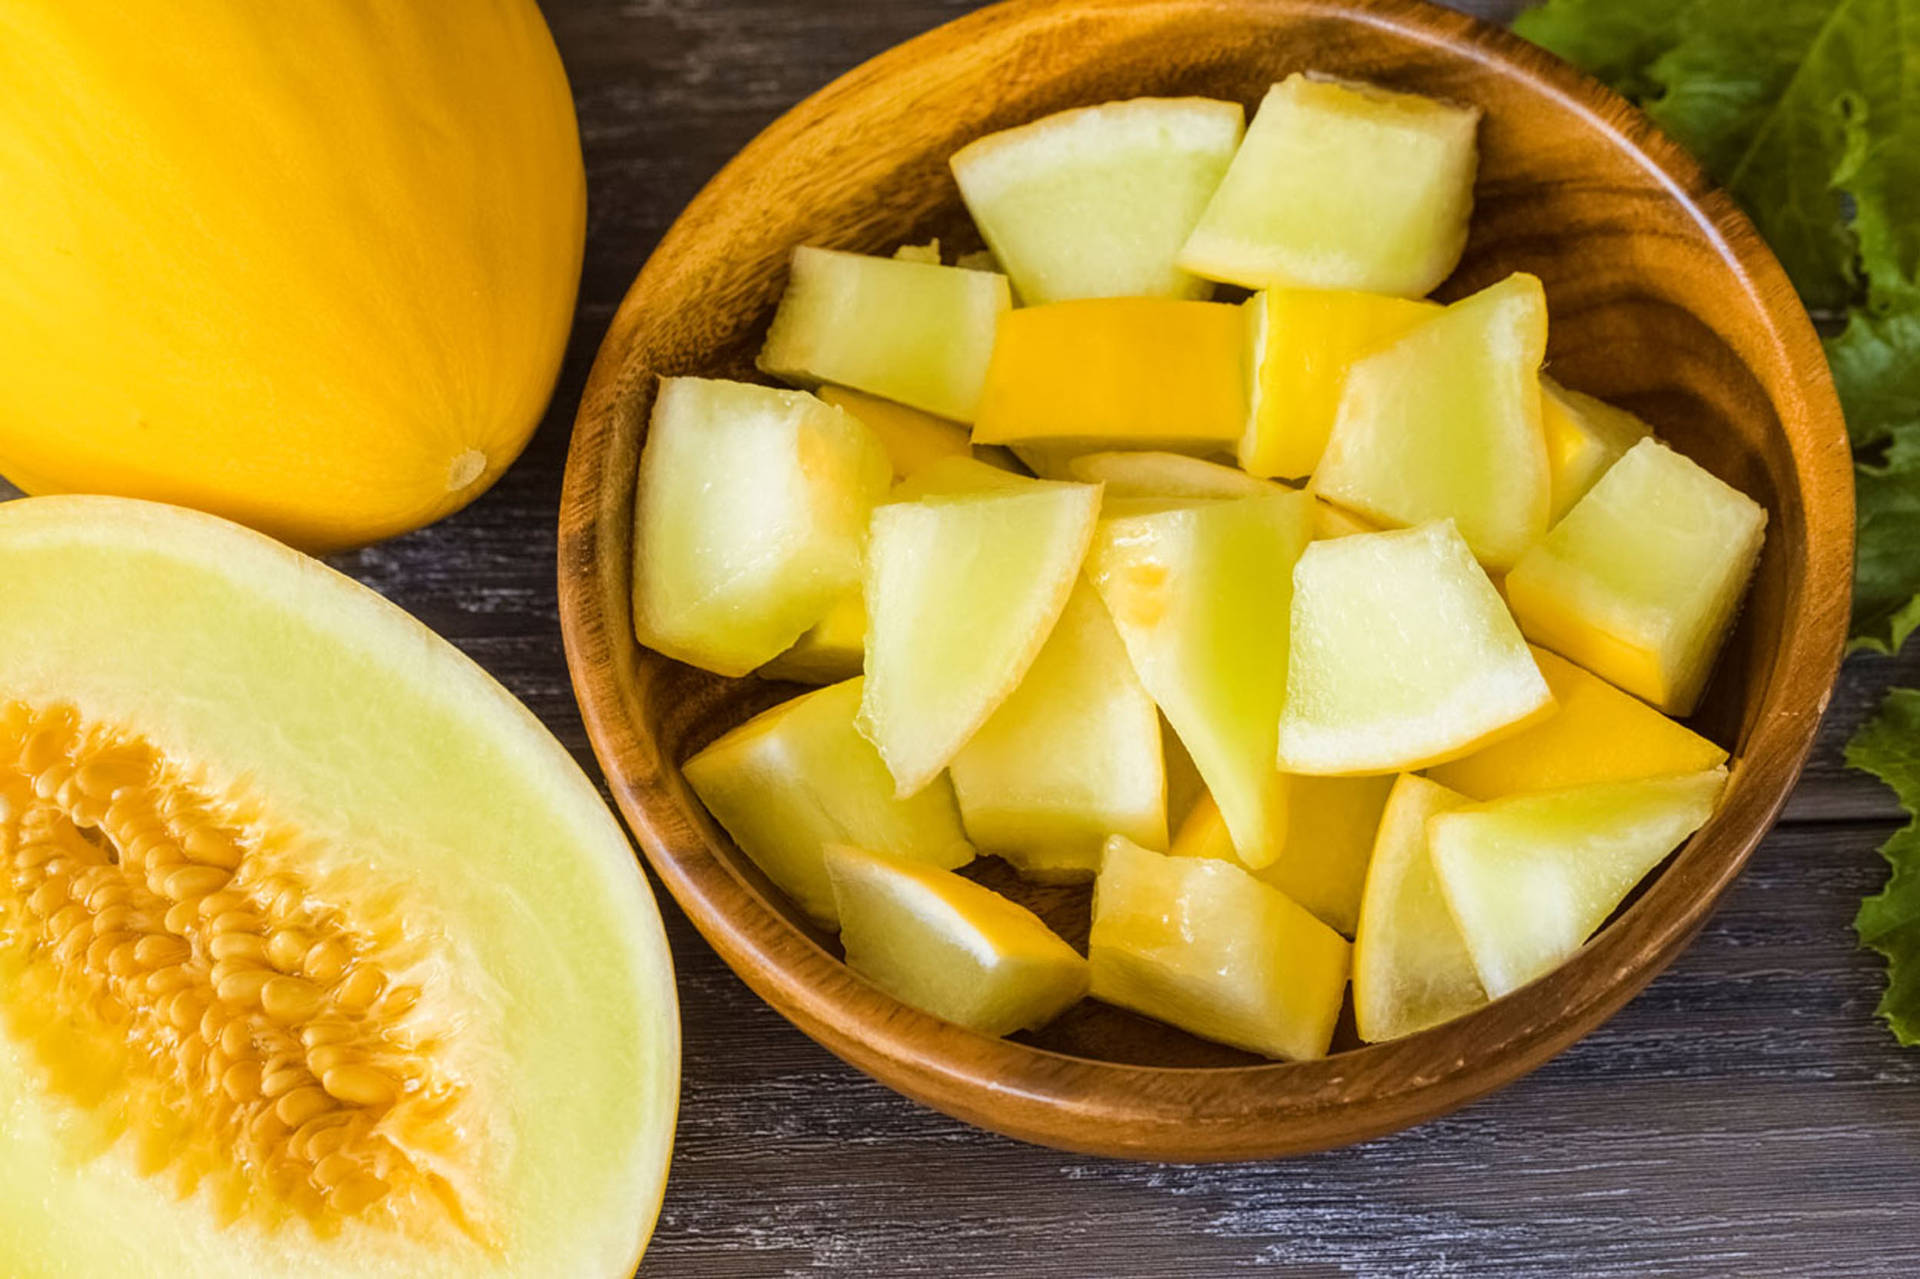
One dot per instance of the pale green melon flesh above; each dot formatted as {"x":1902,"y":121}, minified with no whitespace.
{"x":1529,"y":877}
{"x":1096,"y":201}
{"x":416,"y":779}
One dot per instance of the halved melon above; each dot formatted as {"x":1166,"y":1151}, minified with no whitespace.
{"x":317,"y":954}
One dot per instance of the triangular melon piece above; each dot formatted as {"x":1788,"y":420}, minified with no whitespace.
{"x":1072,"y":757}
{"x":916,"y":332}
{"x":1402,"y":655}
{"x":798,"y":777}
{"x":1203,"y":945}
{"x":1445,"y":424}
{"x":1596,"y":734}
{"x":1095,"y":202}
{"x":749,"y":519}
{"x":1584,"y":437}
{"x":1530,"y":877}
{"x":1153,"y":474}
{"x":1200,"y":594}
{"x":1304,"y":341}
{"x":962,"y":589}
{"x":1411,"y":969}
{"x":951,"y":947}
{"x":1342,"y":185}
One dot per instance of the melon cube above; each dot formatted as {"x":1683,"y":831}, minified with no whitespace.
{"x":1584,"y":436}
{"x":1641,"y":581}
{"x":1175,"y":475}
{"x":1528,"y":878}
{"x":1072,"y":756}
{"x":1304,"y":341}
{"x":749,"y":519}
{"x":1445,"y":424}
{"x":962,"y":589}
{"x":1403,"y":655}
{"x":1596,"y":734}
{"x":911,"y":438}
{"x":1323,"y":855}
{"x":950,"y":947}
{"x":1203,"y":945}
{"x":1095,"y":202}
{"x":1339,"y":185}
{"x":1411,"y":968}
{"x":1113,"y":372}
{"x":1200,"y":594}
{"x":796,"y":778}
{"x":834,"y":649}
{"x":915,"y":332}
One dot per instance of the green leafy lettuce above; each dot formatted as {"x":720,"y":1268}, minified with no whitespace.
{"x":1808,"y":112}
{"x":1888,"y":746}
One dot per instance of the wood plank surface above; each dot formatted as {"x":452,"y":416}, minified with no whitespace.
{"x":1745,"y":1116}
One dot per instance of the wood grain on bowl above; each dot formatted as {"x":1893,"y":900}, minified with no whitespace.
{"x":1663,"y":298}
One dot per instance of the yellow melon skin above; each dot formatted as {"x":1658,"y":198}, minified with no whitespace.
{"x":422,"y":793}
{"x":310,"y":267}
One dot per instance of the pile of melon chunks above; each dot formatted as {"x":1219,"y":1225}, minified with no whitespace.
{"x":1312,"y":616}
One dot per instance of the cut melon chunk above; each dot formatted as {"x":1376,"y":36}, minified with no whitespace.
{"x":1529,"y":878}
{"x":1072,"y":756}
{"x":909,"y":331}
{"x":1203,"y":945}
{"x":1323,"y":855}
{"x":1166,"y":475}
{"x":950,"y":947}
{"x":834,"y":649}
{"x":1095,"y":202}
{"x":962,"y":590}
{"x":1596,"y":734}
{"x":1049,"y":461}
{"x":326,"y":826}
{"x":1445,"y":424}
{"x":1200,"y":595}
{"x":1304,"y":341}
{"x":1134,"y":372}
{"x":1411,"y":969}
{"x":749,"y":519}
{"x":911,"y":438}
{"x":1641,"y":581}
{"x":957,"y":477}
{"x":798,"y":777}
{"x":1402,"y":655}
{"x":1584,"y":437}
{"x":1342,"y":186}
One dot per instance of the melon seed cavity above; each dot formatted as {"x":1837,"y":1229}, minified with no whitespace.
{"x":180,"y":986}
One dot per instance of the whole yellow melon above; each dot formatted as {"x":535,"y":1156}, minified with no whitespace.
{"x":309,"y":266}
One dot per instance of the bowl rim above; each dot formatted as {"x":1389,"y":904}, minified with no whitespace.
{"x":1263,"y":1110}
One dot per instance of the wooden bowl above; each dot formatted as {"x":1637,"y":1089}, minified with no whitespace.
{"x":1663,"y":298}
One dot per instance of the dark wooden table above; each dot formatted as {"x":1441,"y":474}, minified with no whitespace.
{"x":1744,"y":1116}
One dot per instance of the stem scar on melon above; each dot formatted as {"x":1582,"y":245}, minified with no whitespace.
{"x":183,"y":982}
